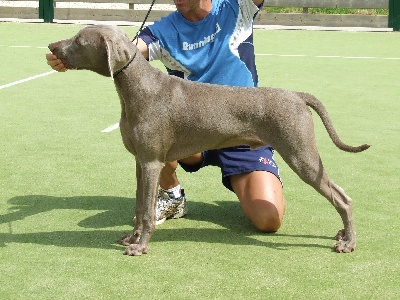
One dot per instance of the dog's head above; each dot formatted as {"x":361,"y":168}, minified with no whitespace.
{"x":102,"y":49}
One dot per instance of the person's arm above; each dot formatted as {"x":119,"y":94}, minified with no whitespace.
{"x":258,"y":2}
{"x":142,"y":46}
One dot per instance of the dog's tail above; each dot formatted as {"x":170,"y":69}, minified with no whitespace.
{"x":316,"y":105}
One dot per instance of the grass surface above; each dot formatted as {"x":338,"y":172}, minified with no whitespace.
{"x":66,"y":189}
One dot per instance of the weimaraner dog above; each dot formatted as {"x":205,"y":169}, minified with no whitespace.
{"x":210,"y":117}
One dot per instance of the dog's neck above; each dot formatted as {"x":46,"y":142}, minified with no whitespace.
{"x":125,"y":66}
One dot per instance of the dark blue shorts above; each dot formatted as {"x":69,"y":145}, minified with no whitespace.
{"x":237,"y":160}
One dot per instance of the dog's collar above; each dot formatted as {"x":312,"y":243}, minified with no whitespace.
{"x":124,"y":67}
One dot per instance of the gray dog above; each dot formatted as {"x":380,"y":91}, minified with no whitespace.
{"x":210,"y":117}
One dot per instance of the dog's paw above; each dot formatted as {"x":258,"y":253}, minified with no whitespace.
{"x":129,"y":239}
{"x":125,"y":240}
{"x":135,"y":250}
{"x":343,"y":246}
{"x":340,"y":235}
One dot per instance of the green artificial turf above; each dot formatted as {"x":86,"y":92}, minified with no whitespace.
{"x":67,"y":189}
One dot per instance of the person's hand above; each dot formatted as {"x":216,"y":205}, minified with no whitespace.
{"x":55,"y":63}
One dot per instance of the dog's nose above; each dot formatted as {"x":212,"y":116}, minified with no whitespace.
{"x":53,"y":46}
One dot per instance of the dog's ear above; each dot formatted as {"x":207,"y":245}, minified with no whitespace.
{"x":117,"y":55}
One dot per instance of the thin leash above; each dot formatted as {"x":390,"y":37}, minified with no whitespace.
{"x":136,"y":35}
{"x":144,"y":21}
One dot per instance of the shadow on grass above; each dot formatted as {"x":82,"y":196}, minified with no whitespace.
{"x":118,"y":211}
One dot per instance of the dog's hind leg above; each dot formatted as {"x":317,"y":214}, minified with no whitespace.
{"x":147,"y":182}
{"x":306,"y":163}
{"x":346,"y":238}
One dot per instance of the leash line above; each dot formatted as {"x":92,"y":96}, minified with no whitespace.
{"x":144,"y":21}
{"x":124,"y":67}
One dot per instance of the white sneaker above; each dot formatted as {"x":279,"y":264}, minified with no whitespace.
{"x":169,"y":207}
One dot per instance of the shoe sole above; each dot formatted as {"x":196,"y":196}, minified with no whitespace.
{"x":180,"y":215}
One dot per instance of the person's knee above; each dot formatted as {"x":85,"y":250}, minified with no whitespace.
{"x":265,"y":216}
{"x":266,"y":221}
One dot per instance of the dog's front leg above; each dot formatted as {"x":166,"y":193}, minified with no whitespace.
{"x":145,"y":208}
{"x":134,"y":238}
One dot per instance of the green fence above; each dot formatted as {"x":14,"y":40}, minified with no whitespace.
{"x":46,"y":12}
{"x":394,"y":14}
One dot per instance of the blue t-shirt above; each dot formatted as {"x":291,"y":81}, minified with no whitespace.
{"x":218,"y":49}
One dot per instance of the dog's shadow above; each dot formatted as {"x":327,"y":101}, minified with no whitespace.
{"x":98,"y":231}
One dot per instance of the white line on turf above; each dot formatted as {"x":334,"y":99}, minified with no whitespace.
{"x":24,"y":46}
{"x":26,"y":79}
{"x":111,"y":128}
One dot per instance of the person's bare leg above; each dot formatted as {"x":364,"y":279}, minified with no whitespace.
{"x":168,"y":177}
{"x":261,"y":196}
